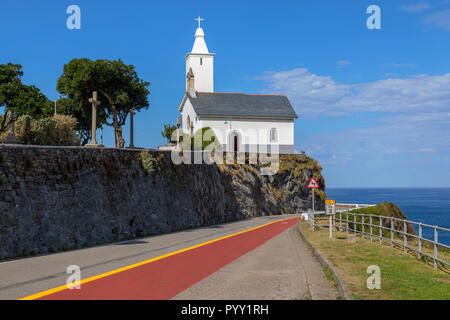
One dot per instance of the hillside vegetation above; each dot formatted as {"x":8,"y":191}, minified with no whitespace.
{"x":385,"y":209}
{"x":403,"y":276}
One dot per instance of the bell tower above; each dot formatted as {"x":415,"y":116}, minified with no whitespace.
{"x":200,"y":64}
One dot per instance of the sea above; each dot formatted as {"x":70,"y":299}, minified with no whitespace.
{"x":430,"y":206}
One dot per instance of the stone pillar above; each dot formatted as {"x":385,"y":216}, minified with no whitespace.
{"x":132,"y":113}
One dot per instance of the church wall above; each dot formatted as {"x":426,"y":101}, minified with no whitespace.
{"x":59,"y":198}
{"x":257,"y":128}
{"x":188,"y":111}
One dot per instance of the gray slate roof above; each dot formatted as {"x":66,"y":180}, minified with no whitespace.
{"x":242,"y":105}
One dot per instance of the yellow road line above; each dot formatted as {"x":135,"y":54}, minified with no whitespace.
{"x":103,"y":275}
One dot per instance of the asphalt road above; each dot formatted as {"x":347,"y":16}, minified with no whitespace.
{"x":166,"y":277}
{"x":280,"y":269}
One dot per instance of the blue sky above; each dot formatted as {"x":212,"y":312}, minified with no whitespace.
{"x":374,"y":105}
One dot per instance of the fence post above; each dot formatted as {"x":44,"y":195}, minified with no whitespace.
{"x":362,"y":226}
{"x":419,"y":251}
{"x":371,"y":240}
{"x":435,"y":246}
{"x":354,"y":225}
{"x":381,"y":230}
{"x":392,"y":232}
{"x":404,"y":236}
{"x":340,"y":221}
{"x":346,"y":225}
{"x":331,"y":226}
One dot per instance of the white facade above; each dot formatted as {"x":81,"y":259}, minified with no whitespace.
{"x":188,"y":114}
{"x":202,"y":64}
{"x":250,"y":132}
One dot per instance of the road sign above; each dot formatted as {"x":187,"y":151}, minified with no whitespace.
{"x":313,"y":184}
{"x":330,"y":209}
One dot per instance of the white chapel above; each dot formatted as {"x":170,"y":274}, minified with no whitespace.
{"x":241,"y":122}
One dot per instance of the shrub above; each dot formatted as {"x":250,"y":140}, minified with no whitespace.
{"x":148,"y":162}
{"x":58,"y":130}
{"x":65,"y":130}
{"x":168,"y":132}
{"x":205,"y":135}
{"x":44,"y":132}
{"x":23,"y":129}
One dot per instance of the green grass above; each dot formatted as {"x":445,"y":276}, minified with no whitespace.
{"x":403,"y":277}
{"x":329,"y":275}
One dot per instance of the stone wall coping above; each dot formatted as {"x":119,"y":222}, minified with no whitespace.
{"x":27,"y":146}
{"x":22,"y":146}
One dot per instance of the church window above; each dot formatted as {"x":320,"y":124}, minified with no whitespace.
{"x":201,"y":61}
{"x":188,"y":122}
{"x":273,"y":135}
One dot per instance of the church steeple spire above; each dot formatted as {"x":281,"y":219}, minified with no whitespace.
{"x":199,"y":44}
{"x":200,"y":64}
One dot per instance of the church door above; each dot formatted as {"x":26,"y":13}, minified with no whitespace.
{"x":235,"y":143}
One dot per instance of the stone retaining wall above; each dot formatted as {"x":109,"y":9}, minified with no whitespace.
{"x":58,"y":198}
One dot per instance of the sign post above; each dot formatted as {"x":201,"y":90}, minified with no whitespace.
{"x":330,"y":210}
{"x":313,"y":185}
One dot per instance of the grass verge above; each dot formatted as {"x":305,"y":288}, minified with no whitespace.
{"x":403,"y":277}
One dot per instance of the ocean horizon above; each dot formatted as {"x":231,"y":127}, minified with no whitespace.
{"x":427,"y":205}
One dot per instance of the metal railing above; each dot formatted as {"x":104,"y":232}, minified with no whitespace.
{"x":389,"y":230}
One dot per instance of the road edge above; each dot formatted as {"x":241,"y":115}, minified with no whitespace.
{"x":342,"y":287}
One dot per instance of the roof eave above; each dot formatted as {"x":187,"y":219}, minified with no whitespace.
{"x":183,"y":101}
{"x":206,"y":116}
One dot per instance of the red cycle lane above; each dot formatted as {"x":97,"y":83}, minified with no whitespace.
{"x":165,"y":278}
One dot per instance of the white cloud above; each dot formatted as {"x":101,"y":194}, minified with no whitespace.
{"x":416,"y":7}
{"x":439,"y":19}
{"x":313,"y":94}
{"x":402,"y":65}
{"x":343,"y":63}
{"x":415,"y":110}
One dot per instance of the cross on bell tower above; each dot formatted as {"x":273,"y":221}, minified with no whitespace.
{"x":200,"y":64}
{"x":199,"y":21}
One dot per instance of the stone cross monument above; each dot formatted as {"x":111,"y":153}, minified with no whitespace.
{"x":95,"y":103}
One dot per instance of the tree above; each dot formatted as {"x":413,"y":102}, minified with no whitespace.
{"x":18,"y":99}
{"x":168,"y":131}
{"x":10,"y":82}
{"x":117,"y":82}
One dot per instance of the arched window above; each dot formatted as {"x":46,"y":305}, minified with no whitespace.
{"x":273,"y":135}
{"x":188,"y":122}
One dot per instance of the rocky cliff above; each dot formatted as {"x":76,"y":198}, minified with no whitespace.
{"x":63,"y":198}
